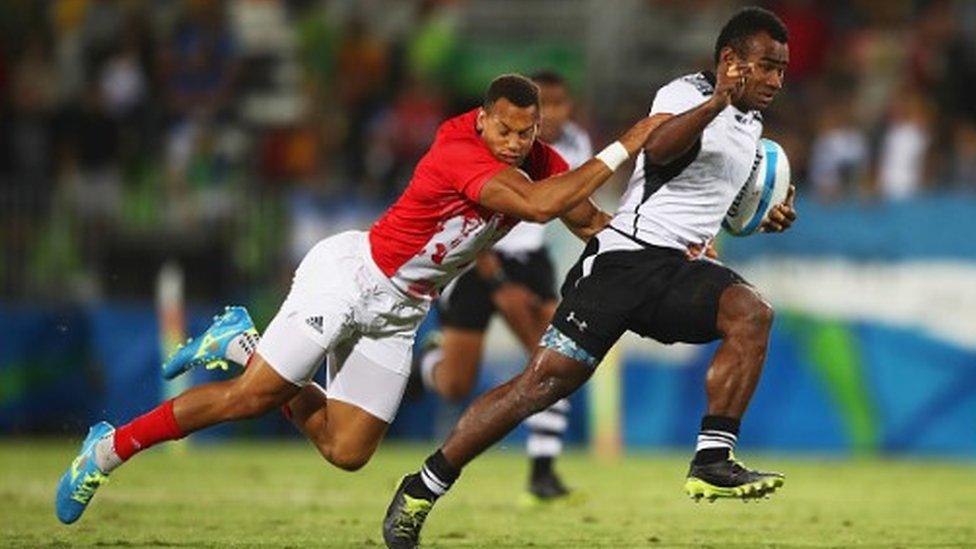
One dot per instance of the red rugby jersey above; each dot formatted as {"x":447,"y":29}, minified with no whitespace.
{"x":433,"y":232}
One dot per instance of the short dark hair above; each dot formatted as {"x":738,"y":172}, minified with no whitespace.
{"x":518,"y":89}
{"x":548,"y":77}
{"x":747,"y":23}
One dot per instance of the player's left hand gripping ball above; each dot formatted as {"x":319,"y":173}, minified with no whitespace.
{"x":781,"y":216}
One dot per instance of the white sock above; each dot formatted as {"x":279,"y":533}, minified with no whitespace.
{"x":546,"y":430}
{"x":105,"y":457}
{"x":538,"y":446}
{"x":427,"y":366}
{"x":714,"y":438}
{"x":240,"y":349}
{"x":434,"y":483}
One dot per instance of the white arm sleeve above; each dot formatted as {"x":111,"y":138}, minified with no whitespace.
{"x":677,"y":97}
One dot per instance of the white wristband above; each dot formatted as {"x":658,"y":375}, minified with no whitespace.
{"x":613,"y":156}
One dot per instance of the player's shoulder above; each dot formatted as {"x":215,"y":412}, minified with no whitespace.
{"x":546,"y":151}
{"x":545,"y":161}
{"x":540,"y":147}
{"x":683,"y":93}
{"x":456,"y":137}
{"x":458,"y":129}
{"x":699,"y":83}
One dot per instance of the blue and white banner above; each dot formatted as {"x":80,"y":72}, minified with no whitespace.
{"x":874,"y":344}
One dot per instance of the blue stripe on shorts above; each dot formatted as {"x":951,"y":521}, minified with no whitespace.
{"x":562,"y":344}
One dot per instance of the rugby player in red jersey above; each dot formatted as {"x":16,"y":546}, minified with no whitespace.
{"x":357,"y":297}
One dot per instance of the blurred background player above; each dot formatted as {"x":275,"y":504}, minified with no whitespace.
{"x":517,"y":279}
{"x":635,"y":275}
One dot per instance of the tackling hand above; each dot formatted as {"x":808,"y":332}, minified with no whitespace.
{"x":634,"y":139}
{"x":698,"y":251}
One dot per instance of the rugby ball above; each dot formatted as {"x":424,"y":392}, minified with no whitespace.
{"x":767,"y":186}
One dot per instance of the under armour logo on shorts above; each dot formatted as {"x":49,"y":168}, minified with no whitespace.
{"x":580,"y":324}
{"x":315,"y":322}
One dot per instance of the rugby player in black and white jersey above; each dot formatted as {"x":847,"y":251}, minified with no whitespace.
{"x":517,"y":279}
{"x":635,"y":275}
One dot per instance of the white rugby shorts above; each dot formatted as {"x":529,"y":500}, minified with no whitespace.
{"x":342,"y":308}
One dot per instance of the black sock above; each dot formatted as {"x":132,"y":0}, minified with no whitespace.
{"x":716,"y":440}
{"x":541,"y":467}
{"x":434,"y":479}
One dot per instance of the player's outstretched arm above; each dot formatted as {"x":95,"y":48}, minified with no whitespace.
{"x":511,"y":192}
{"x":676,"y":134}
{"x":586,"y":219}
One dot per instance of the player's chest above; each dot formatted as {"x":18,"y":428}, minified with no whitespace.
{"x":469,"y":221}
{"x":462,"y":234}
{"x":729,"y":146}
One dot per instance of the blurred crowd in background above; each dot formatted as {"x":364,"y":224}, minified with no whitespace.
{"x":232,"y":135}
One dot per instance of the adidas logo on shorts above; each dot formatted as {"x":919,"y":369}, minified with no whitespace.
{"x":315,"y":322}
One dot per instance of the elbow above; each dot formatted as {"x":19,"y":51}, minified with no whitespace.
{"x":543,"y":214}
{"x":541,"y":207}
{"x":537,"y":211}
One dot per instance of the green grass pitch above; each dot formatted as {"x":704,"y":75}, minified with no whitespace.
{"x":284,"y":495}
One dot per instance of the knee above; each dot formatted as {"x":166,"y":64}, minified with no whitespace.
{"x":538,"y":392}
{"x":348,"y":457}
{"x":761,"y":318}
{"x":745,"y":314}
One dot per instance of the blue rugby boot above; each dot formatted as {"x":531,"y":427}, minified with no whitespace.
{"x":232,"y":334}
{"x":83,"y":477}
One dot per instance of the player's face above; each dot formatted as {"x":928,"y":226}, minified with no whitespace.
{"x":769,"y":59}
{"x":508,"y":130}
{"x":556,"y":110}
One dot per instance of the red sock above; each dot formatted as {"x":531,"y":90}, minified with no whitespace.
{"x":156,"y":426}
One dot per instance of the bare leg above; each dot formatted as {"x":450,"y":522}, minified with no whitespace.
{"x":258,"y":390}
{"x":455,"y":375}
{"x":544,"y":315}
{"x":549,"y":377}
{"x":528,"y":322}
{"x":345,"y":435}
{"x":745,"y":320}
{"x":547,"y":427}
